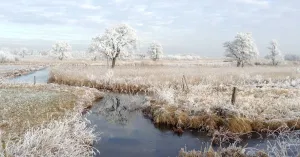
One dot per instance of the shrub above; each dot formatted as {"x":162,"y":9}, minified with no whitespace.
{"x":70,"y":136}
{"x":7,"y":57}
{"x":292,"y":57}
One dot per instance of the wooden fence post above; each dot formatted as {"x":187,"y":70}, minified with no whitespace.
{"x":34,"y":80}
{"x":185,"y":86}
{"x":233,"y":97}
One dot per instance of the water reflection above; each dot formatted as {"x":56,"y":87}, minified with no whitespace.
{"x":116,"y":108}
{"x":126,"y":132}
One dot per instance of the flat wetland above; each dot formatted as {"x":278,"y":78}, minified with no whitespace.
{"x":152,"y":108}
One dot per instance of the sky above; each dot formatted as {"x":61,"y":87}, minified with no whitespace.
{"x":197,"y":27}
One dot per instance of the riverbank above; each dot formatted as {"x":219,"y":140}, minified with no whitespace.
{"x":38,"y":114}
{"x":267,"y":98}
{"x":8,"y":71}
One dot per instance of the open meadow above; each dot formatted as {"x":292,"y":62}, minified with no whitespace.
{"x":220,"y":99}
{"x":188,"y":96}
{"x":159,"y":78}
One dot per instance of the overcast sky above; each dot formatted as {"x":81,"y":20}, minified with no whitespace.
{"x":182,"y":26}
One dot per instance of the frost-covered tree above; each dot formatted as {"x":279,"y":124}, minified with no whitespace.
{"x":6,"y":56}
{"x":23,"y":51}
{"x":292,"y":57}
{"x":242,"y":48}
{"x":61,"y":50}
{"x":117,"y":41}
{"x":155,"y":51}
{"x":275,"y":54}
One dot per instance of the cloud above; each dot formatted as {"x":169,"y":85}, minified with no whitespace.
{"x":139,"y":24}
{"x":118,"y":2}
{"x":91,"y":7}
{"x":161,"y":19}
{"x":263,"y":3}
{"x":140,"y":8}
{"x":168,"y":4}
{"x":96,"y":19}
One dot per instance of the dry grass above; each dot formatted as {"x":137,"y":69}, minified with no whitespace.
{"x":284,"y":143}
{"x":267,"y":98}
{"x":153,"y":76}
{"x":231,"y":151}
{"x":68,"y":136}
{"x":26,"y":106}
{"x":256,"y":109}
{"x":45,"y":120}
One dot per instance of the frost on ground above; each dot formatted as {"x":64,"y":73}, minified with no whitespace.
{"x":267,"y":97}
{"x":34,"y":120}
{"x":68,"y":136}
{"x":164,"y":76}
{"x":283,"y":143}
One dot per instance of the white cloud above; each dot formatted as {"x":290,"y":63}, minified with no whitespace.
{"x":90,"y":7}
{"x":119,"y":1}
{"x":140,"y":8}
{"x":96,"y":19}
{"x":139,"y":24}
{"x":263,"y":3}
{"x":168,"y":4}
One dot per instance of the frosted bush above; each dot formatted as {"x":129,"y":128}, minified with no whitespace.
{"x":70,"y":136}
{"x":61,"y":50}
{"x":275,"y":54}
{"x":7,"y":57}
{"x":109,"y":75}
{"x":155,"y":51}
{"x":165,"y":94}
{"x":286,"y":143}
{"x":182,"y":57}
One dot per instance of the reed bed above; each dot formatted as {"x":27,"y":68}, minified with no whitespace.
{"x":200,"y":97}
{"x":284,"y":143}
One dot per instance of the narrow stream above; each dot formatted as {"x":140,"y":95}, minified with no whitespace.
{"x":126,"y":132}
{"x":41,"y":77}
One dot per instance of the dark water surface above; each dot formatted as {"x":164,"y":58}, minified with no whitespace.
{"x":127,"y":133}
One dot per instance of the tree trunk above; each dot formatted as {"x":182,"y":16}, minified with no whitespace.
{"x":113,"y":62}
{"x":238,"y":64}
{"x":273,"y":62}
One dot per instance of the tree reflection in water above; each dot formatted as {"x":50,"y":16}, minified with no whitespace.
{"x":117,"y":108}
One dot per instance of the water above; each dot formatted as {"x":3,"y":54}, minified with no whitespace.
{"x":41,"y":77}
{"x":126,"y":132}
